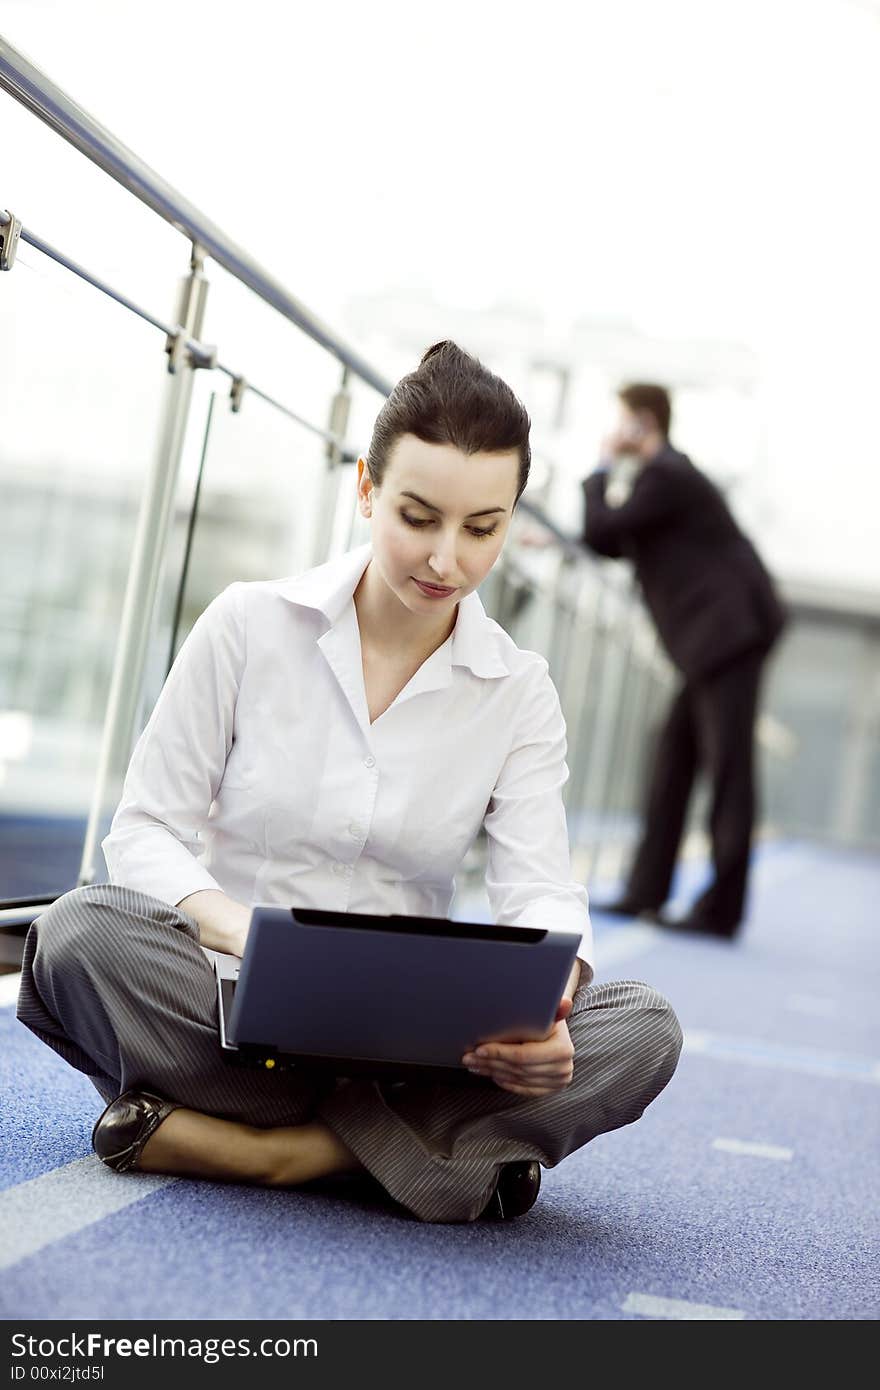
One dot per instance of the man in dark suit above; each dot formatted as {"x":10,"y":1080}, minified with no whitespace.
{"x":718,"y":615}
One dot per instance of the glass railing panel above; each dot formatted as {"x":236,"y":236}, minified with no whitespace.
{"x":257,"y":342}
{"x":590,"y":723}
{"x":865,"y":825}
{"x":819,"y":691}
{"x":618,"y":797}
{"x":631,"y":729}
{"x":79,"y":428}
{"x":365,"y":402}
{"x":603,"y":715}
{"x":578,"y":686}
{"x":256,"y":511}
{"x":67,"y":201}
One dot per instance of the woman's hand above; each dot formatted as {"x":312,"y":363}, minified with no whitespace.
{"x":529,"y":1068}
{"x":223,"y":923}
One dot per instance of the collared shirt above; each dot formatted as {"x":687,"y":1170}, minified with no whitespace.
{"x":260,"y":773}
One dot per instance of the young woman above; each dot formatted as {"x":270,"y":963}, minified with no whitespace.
{"x":336,"y":741}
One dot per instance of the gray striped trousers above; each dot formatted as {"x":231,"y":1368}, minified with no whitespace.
{"x":116,"y":982}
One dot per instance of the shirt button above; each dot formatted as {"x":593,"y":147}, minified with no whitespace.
{"x":356,"y":830}
{"x":370,"y":762}
{"x":338,"y":868}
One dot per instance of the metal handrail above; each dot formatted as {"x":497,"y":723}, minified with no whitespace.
{"x":34,"y":90}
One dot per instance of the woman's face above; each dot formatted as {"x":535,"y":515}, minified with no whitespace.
{"x":439,"y":520}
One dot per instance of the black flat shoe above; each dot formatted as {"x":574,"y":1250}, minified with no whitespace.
{"x":696,"y":925}
{"x":515,"y":1192}
{"x":126,"y":1125}
{"x":625,"y":908}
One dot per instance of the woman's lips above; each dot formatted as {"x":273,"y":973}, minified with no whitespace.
{"x":433,"y":590}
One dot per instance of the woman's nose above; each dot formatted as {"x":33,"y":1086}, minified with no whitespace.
{"x":442,"y":560}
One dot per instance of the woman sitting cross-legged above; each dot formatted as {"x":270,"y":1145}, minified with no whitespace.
{"x":337,"y":740}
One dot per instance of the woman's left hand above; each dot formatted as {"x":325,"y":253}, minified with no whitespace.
{"x":529,"y":1068}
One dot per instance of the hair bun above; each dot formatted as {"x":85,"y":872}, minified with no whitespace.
{"x":435,"y":350}
{"x":452,"y":399}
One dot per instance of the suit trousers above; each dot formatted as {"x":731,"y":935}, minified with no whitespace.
{"x":709,"y":727}
{"x":116,"y":982}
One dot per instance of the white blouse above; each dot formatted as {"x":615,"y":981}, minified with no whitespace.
{"x":259,"y":772}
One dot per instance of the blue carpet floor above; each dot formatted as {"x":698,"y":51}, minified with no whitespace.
{"x":747,"y":1190}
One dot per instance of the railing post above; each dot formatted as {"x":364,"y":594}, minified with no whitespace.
{"x":153,"y":527}
{"x":559,"y":645}
{"x":630,"y":738}
{"x":340,"y":408}
{"x":610,"y":707}
{"x":575,"y":691}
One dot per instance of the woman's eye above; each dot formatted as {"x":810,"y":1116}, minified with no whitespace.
{"x":479,"y":532}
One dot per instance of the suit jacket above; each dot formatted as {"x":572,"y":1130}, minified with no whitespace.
{"x":708,"y":592}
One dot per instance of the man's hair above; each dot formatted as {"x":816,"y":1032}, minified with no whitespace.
{"x":451,"y":398}
{"x":643,"y":395}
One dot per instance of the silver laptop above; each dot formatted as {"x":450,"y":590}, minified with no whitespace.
{"x":401,"y":998}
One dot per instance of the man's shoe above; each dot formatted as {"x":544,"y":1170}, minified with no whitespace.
{"x":696,"y":925}
{"x":625,"y":907}
{"x":515,"y":1192}
{"x":126,"y":1125}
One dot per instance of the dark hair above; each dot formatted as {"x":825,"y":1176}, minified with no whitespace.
{"x":643,"y":395}
{"x":451,"y":398}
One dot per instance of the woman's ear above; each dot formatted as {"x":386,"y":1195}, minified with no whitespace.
{"x":364,"y":488}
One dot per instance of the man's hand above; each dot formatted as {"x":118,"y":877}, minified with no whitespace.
{"x":609,"y":448}
{"x":529,"y":1068}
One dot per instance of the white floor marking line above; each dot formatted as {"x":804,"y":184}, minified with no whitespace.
{"x":36,"y":1213}
{"x":741,"y":1146}
{"x":9,"y":989}
{"x":809,"y":1061}
{"x":647,"y":1306}
{"x":624,"y":944}
{"x":813,"y":1005}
